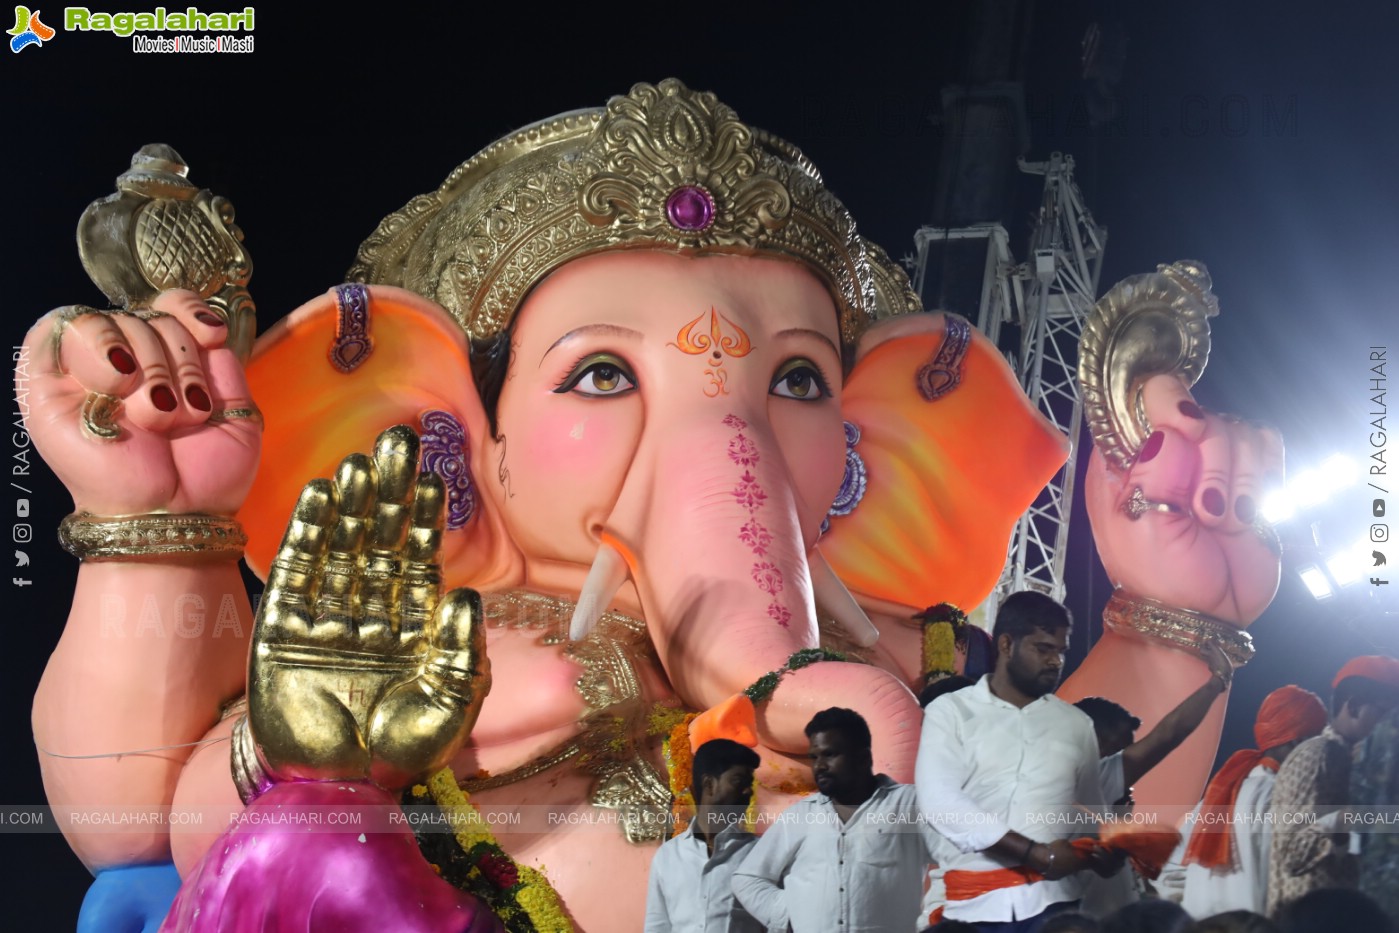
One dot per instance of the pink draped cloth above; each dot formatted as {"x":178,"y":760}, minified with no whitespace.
{"x":289,"y":867}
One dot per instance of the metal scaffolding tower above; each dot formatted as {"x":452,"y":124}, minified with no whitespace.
{"x":1049,"y":297}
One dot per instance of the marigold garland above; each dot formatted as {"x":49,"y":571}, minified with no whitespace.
{"x":941,"y":626}
{"x":521,"y":896}
{"x":662,"y":719}
{"x":680,"y":763}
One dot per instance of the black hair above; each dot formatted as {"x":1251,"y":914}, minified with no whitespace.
{"x":845,"y":721}
{"x":1071,"y":921}
{"x":1024,"y":612}
{"x":1361,"y":691}
{"x":981,"y":653}
{"x":943,"y":687}
{"x":1235,"y":921}
{"x":953,"y":926}
{"x":715,"y":757}
{"x":490,"y":361}
{"x":1106,"y":714}
{"x":1320,"y":911}
{"x":1150,"y":916}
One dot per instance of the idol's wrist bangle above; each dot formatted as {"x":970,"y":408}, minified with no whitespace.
{"x":249,"y":775}
{"x":154,"y":538}
{"x":1183,"y":629}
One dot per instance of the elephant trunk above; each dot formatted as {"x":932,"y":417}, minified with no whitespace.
{"x":709,"y":528}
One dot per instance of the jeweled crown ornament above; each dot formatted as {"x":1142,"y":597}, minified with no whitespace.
{"x":663,"y":167}
{"x":158,"y":231}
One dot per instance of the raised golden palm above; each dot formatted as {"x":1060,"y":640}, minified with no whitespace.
{"x":360,"y":668}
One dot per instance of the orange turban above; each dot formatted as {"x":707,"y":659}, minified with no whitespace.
{"x":1287,"y":714}
{"x":1375,"y":667}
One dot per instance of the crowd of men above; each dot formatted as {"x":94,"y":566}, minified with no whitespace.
{"x":980,"y":841}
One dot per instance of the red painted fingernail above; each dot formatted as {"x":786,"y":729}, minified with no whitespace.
{"x":1246,"y":509}
{"x":198,"y":398}
{"x":163,"y":398}
{"x":1213,"y":501}
{"x":205,"y":317}
{"x":1152,"y":447}
{"x":1191,"y":410}
{"x":121,"y":361}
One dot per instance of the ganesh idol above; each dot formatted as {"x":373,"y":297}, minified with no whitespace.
{"x":624,"y":421}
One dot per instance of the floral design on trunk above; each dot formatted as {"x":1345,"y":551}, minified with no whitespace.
{"x":767,"y":576}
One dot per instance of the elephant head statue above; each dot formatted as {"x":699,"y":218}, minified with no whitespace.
{"x":662,"y":375}
{"x":680,"y":402}
{"x":690,"y":426}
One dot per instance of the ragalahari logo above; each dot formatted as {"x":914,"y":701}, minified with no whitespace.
{"x":29,"y":30}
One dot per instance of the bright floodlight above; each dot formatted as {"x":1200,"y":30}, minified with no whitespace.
{"x":1339,"y":471}
{"x":1316,"y":582}
{"x":1346,"y":567}
{"x":1278,"y":507}
{"x":1309,"y":488}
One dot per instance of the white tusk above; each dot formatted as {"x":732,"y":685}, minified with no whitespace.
{"x":605,"y":578}
{"x":836,"y":600}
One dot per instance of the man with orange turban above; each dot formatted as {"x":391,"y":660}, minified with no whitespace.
{"x":1225,"y":842}
{"x":1309,"y":854}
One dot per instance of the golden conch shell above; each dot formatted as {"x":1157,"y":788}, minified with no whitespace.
{"x":158,"y":231}
{"x":1146,"y":325}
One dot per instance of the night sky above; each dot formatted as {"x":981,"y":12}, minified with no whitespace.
{"x":1261,"y":140}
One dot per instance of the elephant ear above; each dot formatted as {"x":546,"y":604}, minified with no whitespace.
{"x":344,"y":367}
{"x":944,"y":454}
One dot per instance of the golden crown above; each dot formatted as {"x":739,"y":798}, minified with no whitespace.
{"x":662,"y":168}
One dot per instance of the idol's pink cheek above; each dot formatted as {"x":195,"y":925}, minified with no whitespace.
{"x":576,"y":439}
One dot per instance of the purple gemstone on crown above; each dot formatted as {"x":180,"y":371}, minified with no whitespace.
{"x":689,"y":207}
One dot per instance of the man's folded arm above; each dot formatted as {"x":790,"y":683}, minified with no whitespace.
{"x":756,"y":881}
{"x":941,"y":771}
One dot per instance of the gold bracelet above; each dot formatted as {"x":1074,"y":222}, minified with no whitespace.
{"x":152,"y":538}
{"x":249,"y":776}
{"x":1185,"y":629}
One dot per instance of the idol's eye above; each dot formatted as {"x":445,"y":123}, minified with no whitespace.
{"x":800,"y":379}
{"x":598,"y":375}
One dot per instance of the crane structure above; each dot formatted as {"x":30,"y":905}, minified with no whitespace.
{"x":1048,"y":298}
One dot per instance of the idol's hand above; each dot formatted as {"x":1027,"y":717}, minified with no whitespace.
{"x":1182,"y":524}
{"x":359,"y":670}
{"x":142,"y":411}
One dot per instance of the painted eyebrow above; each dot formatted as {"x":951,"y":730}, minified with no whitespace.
{"x":606,"y":330}
{"x":808,"y":332}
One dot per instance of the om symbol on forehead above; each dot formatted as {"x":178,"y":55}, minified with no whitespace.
{"x":725,"y":339}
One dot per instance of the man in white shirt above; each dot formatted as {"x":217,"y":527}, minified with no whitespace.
{"x":1005,"y":772}
{"x":848,"y":859}
{"x":691,"y":884}
{"x":1221,"y":863}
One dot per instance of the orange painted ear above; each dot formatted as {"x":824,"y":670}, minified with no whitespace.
{"x":344,"y":367}
{"x":953,"y":452}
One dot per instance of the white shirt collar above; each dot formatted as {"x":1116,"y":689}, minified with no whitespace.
{"x":983,"y":693}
